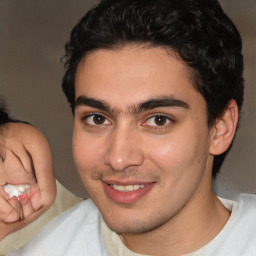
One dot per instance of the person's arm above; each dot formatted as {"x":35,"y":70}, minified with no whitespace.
{"x":25,"y":159}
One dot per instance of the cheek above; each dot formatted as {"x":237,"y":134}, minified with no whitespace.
{"x":179,"y":154}
{"x":84,"y":152}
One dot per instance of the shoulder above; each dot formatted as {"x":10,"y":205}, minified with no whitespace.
{"x":246,"y":209}
{"x":74,"y":232}
{"x":238,"y":237}
{"x":246,"y":213}
{"x":247,"y":200}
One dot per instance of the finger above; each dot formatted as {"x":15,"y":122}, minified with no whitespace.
{"x":16,"y":205}
{"x":20,"y":153}
{"x":35,"y":197}
{"x":3,"y":193}
{"x":14,"y":170}
{"x":2,"y":148}
{"x":3,"y":174}
{"x":41,"y":155}
{"x":26,"y":205}
{"x":10,"y":210}
{"x":24,"y":158}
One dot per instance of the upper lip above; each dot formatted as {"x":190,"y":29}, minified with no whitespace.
{"x":126,"y":182}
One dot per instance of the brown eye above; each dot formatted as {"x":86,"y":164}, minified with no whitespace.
{"x":160,"y":120}
{"x":96,"y":119}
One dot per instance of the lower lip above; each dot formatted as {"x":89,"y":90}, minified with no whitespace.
{"x":126,"y":197}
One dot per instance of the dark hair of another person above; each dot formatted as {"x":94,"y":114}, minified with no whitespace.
{"x":198,"y":31}
{"x":4,"y":118}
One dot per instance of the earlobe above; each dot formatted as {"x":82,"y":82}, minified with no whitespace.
{"x":224,"y":129}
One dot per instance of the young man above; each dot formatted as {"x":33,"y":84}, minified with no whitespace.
{"x":156,"y":88}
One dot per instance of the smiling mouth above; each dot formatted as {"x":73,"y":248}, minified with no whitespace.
{"x":127,"y":188}
{"x":128,"y":193}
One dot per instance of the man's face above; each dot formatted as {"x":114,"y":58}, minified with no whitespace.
{"x":141,"y":141}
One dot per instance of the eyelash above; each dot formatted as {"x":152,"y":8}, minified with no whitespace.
{"x":86,"y":117}
{"x":165,"y":125}
{"x":169,"y":120}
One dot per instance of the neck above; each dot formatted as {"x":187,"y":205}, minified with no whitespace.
{"x":193,"y":227}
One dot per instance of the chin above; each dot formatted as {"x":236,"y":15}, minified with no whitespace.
{"x":134,"y":225}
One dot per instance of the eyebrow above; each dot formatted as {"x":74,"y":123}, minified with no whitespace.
{"x":164,"y":101}
{"x":91,"y":102}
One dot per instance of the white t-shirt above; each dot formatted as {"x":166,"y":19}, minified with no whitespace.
{"x":80,"y":231}
{"x":115,"y":246}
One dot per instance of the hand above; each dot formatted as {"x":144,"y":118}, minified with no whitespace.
{"x":26,"y":159}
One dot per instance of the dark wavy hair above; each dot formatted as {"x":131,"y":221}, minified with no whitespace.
{"x":4,"y":118}
{"x":197,"y":30}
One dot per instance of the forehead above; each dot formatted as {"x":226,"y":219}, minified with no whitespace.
{"x":133,"y":74}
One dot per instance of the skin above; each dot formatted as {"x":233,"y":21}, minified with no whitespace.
{"x":25,"y":159}
{"x":139,"y":120}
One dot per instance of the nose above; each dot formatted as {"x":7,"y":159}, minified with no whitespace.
{"x":124,"y":149}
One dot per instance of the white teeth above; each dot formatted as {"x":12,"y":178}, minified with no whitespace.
{"x":127,"y":188}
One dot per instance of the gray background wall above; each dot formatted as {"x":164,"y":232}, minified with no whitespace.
{"x":32,"y":36}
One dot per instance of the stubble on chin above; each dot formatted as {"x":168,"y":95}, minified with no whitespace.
{"x":137,"y":227}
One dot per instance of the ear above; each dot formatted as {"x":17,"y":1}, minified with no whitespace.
{"x":224,"y":129}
